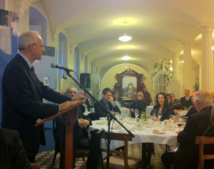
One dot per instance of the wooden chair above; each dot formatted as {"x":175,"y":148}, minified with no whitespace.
{"x":202,"y":140}
{"x":35,"y":166}
{"x":119,"y":158}
{"x":80,"y":153}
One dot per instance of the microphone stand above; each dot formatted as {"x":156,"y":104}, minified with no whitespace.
{"x":109,"y":114}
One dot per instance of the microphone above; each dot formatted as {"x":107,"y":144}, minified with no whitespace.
{"x":61,"y":67}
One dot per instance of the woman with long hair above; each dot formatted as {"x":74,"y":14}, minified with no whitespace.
{"x":162,"y":108}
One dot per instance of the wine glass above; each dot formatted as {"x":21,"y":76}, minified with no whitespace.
{"x":180,"y":122}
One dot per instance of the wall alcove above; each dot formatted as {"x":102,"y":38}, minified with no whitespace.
{"x":129,"y":83}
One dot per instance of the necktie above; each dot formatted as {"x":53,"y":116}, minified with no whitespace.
{"x":107,"y":105}
{"x":33,"y":73}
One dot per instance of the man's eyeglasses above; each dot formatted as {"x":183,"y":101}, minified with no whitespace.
{"x":41,"y":46}
{"x":71,"y":92}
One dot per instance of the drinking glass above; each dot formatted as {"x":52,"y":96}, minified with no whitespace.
{"x":180,"y":122}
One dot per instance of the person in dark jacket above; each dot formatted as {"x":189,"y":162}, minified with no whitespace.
{"x":106,"y":103}
{"x":23,"y":94}
{"x":118,"y":100}
{"x":186,"y":100}
{"x":162,"y":108}
{"x":12,"y":153}
{"x":139,"y":105}
{"x":198,"y":124}
{"x":192,"y":110}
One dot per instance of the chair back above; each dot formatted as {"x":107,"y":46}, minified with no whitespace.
{"x":119,"y":137}
{"x":136,"y":163}
{"x":203,"y":140}
{"x":35,"y":165}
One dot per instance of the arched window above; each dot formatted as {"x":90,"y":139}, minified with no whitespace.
{"x":86,"y":64}
{"x":37,"y":22}
{"x":62,"y":59}
{"x":159,"y":83}
{"x":77,"y":62}
{"x":175,"y":87}
{"x":92,"y":67}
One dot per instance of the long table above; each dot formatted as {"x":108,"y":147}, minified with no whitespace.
{"x":143,"y":134}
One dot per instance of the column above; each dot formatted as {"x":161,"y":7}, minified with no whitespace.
{"x":175,"y":65}
{"x":188,"y":80}
{"x":207,"y":59}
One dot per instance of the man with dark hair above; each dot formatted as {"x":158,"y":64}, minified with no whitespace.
{"x":108,"y":103}
{"x":198,"y":124}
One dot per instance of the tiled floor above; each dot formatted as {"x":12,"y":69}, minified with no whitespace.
{"x":45,"y":158}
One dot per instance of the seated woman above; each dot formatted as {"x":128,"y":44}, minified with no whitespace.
{"x":176,"y":107}
{"x":162,"y":108}
{"x":118,"y":100}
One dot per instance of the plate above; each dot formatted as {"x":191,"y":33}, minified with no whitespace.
{"x":116,"y":127}
{"x":101,"y":122}
{"x":158,"y":132}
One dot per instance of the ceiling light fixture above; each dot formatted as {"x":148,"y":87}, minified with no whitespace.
{"x":126,"y":57}
{"x":182,"y":61}
{"x":125,"y":38}
{"x":212,"y":47}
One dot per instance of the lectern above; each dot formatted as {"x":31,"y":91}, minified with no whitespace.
{"x":69,"y":113}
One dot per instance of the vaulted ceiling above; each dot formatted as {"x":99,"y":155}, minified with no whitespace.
{"x":159,"y":28}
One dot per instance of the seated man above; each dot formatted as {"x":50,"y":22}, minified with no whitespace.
{"x":139,"y":104}
{"x":199,"y":124}
{"x":186,"y":100}
{"x":90,"y":102}
{"x":192,"y":109}
{"x":108,"y":103}
{"x":81,"y":137}
{"x":176,"y":103}
{"x":12,"y":153}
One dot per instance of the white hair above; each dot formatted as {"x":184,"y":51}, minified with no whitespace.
{"x":26,"y":39}
{"x":203,"y":97}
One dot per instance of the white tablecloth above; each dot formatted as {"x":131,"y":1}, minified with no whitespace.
{"x":149,"y":109}
{"x":145,"y":135}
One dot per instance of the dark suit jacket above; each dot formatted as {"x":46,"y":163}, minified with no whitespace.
{"x":89,"y":102}
{"x":140,"y":105}
{"x":166,"y":112}
{"x":121,"y":101}
{"x":12,"y":154}
{"x":100,"y":112}
{"x":22,"y":102}
{"x":186,"y":103}
{"x":191,"y":111}
{"x":197,"y":125}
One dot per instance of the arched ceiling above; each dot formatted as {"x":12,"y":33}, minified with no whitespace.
{"x":159,"y":28}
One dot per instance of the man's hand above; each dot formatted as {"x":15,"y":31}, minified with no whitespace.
{"x":111,"y":100}
{"x":83,"y":123}
{"x":38,"y":120}
{"x":178,"y":131}
{"x":64,"y":105}
{"x":79,"y":98}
